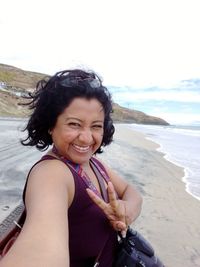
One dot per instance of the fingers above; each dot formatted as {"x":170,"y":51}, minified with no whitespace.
{"x":100,"y":202}
{"x":105,"y":207}
{"x":114,"y":210}
{"x":97,"y":200}
{"x":123,"y":233}
{"x":119,"y":226}
{"x":117,"y":205}
{"x":112,"y":197}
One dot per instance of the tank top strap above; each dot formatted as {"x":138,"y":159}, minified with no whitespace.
{"x":45,"y":157}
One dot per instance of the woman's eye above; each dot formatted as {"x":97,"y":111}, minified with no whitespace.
{"x":74,"y":124}
{"x":98,"y":126}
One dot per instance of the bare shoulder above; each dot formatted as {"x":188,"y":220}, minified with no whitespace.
{"x":49,"y":179}
{"x":47,"y":194}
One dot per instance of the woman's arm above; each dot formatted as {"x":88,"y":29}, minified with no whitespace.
{"x":124,"y":207}
{"x":43,"y":240}
{"x":128,"y":194}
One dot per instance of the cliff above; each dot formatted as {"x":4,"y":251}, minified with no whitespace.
{"x":126,"y":115}
{"x":15,"y":81}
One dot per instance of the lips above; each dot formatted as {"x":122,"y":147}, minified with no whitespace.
{"x":81,"y":149}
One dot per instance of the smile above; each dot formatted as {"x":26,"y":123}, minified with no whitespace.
{"x":81,"y":149}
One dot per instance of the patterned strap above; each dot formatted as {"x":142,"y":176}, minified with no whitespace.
{"x":101,"y":182}
{"x":101,"y":169}
{"x":100,"y":173}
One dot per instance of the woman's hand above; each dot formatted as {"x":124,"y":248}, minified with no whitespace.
{"x":115,"y":209}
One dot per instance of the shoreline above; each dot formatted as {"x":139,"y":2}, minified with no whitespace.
{"x":170,"y":216}
{"x":167,"y":157}
{"x":178,"y":144}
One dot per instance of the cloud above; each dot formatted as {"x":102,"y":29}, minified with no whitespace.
{"x":178,"y":105}
{"x":172,"y":95}
{"x":128,"y":42}
{"x":178,"y":117}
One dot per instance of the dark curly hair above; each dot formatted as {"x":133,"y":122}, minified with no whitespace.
{"x":54,"y":94}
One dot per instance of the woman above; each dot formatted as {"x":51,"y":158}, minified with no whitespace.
{"x":68,"y":222}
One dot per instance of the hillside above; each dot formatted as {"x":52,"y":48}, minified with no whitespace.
{"x":126,"y":115}
{"x":14,"y":81}
{"x":18,"y":78}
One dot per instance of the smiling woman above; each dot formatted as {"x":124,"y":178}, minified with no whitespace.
{"x":71,"y":219}
{"x":78,"y":132}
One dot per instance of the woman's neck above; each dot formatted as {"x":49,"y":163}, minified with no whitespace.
{"x":84,"y":166}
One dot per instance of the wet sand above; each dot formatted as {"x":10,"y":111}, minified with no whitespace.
{"x":15,"y":161}
{"x":170,"y":218}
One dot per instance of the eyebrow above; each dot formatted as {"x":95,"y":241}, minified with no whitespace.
{"x":74,"y":118}
{"x":98,"y":121}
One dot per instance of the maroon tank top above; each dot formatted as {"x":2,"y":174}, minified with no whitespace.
{"x":89,"y":229}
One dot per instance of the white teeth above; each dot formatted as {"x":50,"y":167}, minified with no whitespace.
{"x":81,"y":148}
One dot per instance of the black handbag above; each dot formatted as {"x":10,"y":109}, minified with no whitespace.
{"x":135,"y":251}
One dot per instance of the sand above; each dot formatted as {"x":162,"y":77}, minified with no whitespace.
{"x":170,"y":218}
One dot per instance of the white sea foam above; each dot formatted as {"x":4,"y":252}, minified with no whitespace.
{"x":181,"y":146}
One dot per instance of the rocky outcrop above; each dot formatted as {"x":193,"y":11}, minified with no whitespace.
{"x":125,"y":115}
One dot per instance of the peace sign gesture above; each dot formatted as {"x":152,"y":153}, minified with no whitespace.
{"x":115,"y":209}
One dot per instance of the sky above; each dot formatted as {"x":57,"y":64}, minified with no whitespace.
{"x":148,"y":48}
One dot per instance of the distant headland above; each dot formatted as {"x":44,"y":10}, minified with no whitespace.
{"x":15,"y":82}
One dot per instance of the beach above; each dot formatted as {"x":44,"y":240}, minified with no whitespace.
{"x":170,"y":217}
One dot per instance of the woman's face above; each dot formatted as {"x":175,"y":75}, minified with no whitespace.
{"x":78,"y":132}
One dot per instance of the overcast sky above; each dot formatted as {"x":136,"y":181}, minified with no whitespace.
{"x":129,"y":42}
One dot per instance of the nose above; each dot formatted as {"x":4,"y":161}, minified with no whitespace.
{"x":85,"y":136}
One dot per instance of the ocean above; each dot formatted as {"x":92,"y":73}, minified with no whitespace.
{"x":181,"y":146}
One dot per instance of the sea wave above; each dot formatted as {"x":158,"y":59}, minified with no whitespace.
{"x":181,"y":146}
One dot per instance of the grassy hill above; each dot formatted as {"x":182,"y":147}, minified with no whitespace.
{"x":14,"y":81}
{"x":18,"y":78}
